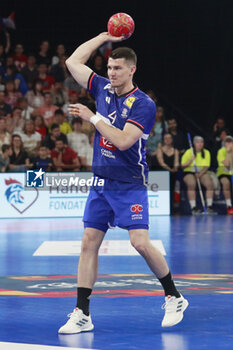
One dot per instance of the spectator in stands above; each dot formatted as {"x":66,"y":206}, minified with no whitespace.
{"x":70,"y":84}
{"x":218,"y":126}
{"x":59,"y":70}
{"x":99,"y":65}
{"x":168,"y":159}
{"x":51,"y":138}
{"x":19,"y":160}
{"x":59,"y":118}
{"x":60,"y":51}
{"x":5,"y":109}
{"x":48,"y":80}
{"x":160,"y":126}
{"x":152,"y":145}
{"x":5,"y":137}
{"x":47,"y":110}
{"x":20,"y":59}
{"x":40,"y":126}
{"x":73,"y":99}
{"x":31,"y":139}
{"x":64,"y":158}
{"x":2,"y":85}
{"x":202,"y":159}
{"x":35,"y":96}
{"x":78,"y":141}
{"x":151,"y":94}
{"x":27,"y":110}
{"x":30,"y":72}
{"x":20,"y":83}
{"x":15,"y":124}
{"x":217,"y":144}
{"x":59,"y":95}
{"x":6,"y":152}
{"x":179,"y":138}
{"x":43,"y":160}
{"x":43,"y":55}
{"x":11,"y":95}
{"x":225,"y":171}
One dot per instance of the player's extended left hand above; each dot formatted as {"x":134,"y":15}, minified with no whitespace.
{"x":79,"y":110}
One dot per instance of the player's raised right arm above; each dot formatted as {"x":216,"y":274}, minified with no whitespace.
{"x":76,"y":62}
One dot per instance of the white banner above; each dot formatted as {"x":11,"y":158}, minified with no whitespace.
{"x":18,"y":201}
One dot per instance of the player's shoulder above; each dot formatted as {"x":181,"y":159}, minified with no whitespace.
{"x":142,"y":97}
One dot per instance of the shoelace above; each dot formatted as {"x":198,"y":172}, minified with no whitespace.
{"x":169,"y":304}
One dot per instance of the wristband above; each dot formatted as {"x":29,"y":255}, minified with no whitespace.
{"x":95,"y":119}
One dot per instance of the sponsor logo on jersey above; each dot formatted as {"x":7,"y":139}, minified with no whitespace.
{"x":124,"y":113}
{"x":107,"y":144}
{"x":130,"y":101}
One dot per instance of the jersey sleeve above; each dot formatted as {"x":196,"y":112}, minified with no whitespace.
{"x":143,"y":115}
{"x":186,"y":156}
{"x":96,"y":84}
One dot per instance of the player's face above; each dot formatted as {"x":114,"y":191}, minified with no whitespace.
{"x":120,"y":72}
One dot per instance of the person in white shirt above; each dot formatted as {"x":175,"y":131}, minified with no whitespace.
{"x":78,"y":141}
{"x":31,"y":139}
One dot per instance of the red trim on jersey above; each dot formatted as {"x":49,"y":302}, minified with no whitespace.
{"x":136,"y":123}
{"x":132,"y":92}
{"x":89,"y":85}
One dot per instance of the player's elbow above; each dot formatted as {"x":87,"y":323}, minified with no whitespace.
{"x":124,"y":145}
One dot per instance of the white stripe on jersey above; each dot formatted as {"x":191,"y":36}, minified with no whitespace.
{"x":140,"y":158}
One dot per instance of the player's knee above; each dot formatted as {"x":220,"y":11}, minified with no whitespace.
{"x":89,"y":243}
{"x":140,"y":244}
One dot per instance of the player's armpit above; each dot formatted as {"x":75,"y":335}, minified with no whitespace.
{"x":79,"y":71}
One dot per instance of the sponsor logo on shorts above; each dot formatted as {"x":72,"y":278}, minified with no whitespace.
{"x":136,"y":208}
{"x":107,"y":144}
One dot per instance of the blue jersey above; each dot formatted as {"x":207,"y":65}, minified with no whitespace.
{"x":136,"y":108}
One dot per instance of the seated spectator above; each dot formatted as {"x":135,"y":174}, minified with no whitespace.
{"x":59,"y":70}
{"x":59,"y":94}
{"x":19,"y":160}
{"x":179,"y":138}
{"x":64,"y":158}
{"x":218,"y":126}
{"x":43,"y":161}
{"x":51,"y":138}
{"x":202,"y":159}
{"x":48,"y":80}
{"x":6,"y":152}
{"x":217,"y":144}
{"x":5,"y":137}
{"x":30,"y":72}
{"x":60,"y":51}
{"x":78,"y":141}
{"x":20,"y":59}
{"x":225,"y":171}
{"x":5,"y":109}
{"x":70,"y":84}
{"x":160,"y":126}
{"x":31,"y":139}
{"x":40,"y":126}
{"x":27,"y":110}
{"x":11,"y":95}
{"x":73,"y":99}
{"x":20,"y":83}
{"x":35,"y":96}
{"x":43,"y":56}
{"x":15,"y":124}
{"x":99,"y":65}
{"x":168,"y":158}
{"x":47,"y":110}
{"x":59,"y":118}
{"x":152,"y":145}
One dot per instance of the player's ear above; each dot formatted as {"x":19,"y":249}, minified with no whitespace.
{"x":133,"y":69}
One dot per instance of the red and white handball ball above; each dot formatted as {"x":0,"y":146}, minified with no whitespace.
{"x":121,"y":24}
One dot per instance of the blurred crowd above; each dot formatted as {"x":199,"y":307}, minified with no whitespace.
{"x":37,"y":131}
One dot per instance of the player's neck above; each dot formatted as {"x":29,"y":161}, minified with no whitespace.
{"x":121,"y":90}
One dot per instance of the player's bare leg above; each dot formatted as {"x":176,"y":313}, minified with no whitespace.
{"x":80,"y":319}
{"x":175,"y":304}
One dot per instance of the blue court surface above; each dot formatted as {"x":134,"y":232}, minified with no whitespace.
{"x":38,"y":286}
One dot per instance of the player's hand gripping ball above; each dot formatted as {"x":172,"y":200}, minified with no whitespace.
{"x":121,"y":24}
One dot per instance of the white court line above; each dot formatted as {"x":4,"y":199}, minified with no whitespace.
{"x":21,"y":346}
{"x":107,"y":248}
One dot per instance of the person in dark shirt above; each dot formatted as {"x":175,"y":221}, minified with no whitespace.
{"x":19,"y":160}
{"x":43,"y":54}
{"x":43,"y":161}
{"x":30,"y":72}
{"x":5,"y":109}
{"x":179,"y":138}
{"x":51,"y":138}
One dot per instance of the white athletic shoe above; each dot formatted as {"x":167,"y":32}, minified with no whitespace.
{"x":174,"y":310}
{"x":78,"y":322}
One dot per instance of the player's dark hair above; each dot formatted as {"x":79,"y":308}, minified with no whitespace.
{"x":124,"y":52}
{"x":5,"y":147}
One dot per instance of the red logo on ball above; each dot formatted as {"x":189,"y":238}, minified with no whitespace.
{"x":136,"y":208}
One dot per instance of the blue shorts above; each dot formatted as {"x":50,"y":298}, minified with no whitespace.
{"x":117,"y":204}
